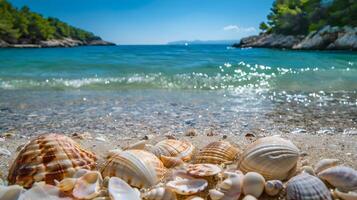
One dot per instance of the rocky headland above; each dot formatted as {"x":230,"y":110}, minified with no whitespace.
{"x":327,"y":38}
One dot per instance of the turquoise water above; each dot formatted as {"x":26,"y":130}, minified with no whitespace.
{"x":199,"y":67}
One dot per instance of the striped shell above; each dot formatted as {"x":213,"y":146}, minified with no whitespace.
{"x":273,"y":157}
{"x":160,"y":193}
{"x":341,"y":177}
{"x":173,"y":148}
{"x":48,"y":158}
{"x":171,"y":162}
{"x":304,"y":186}
{"x":137,"y":167}
{"x":217,"y":153}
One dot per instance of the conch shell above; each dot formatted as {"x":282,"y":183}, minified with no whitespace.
{"x":48,"y":158}
{"x":229,"y":189}
{"x":160,"y":193}
{"x":253,"y":184}
{"x":306,"y":186}
{"x":137,"y":167}
{"x":341,"y":177}
{"x":324,"y":164}
{"x":217,"y":153}
{"x":120,"y":190}
{"x":173,"y":148}
{"x":273,"y":157}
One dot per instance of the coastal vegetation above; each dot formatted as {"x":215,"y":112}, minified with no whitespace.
{"x":22,"y":26}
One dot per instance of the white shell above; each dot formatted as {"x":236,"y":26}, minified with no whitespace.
{"x":341,"y":177}
{"x":160,"y":193}
{"x":346,"y":195}
{"x":324,"y":164}
{"x":273,"y":157}
{"x":40,"y":190}
{"x":273,"y":187}
{"x":11,"y":192}
{"x":202,"y":170}
{"x":253,"y":184}
{"x":187,"y":186}
{"x":120,"y":190}
{"x":229,"y":189}
{"x":88,"y":185}
{"x":249,"y":197}
{"x":305,"y":186}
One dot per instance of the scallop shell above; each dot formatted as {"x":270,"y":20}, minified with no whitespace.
{"x":170,"y":162}
{"x":253,"y":184}
{"x":173,"y":148}
{"x":11,"y":192}
{"x":119,"y":190}
{"x":346,"y":195}
{"x":305,"y":186}
{"x":137,"y":167}
{"x":47,"y":158}
{"x":273,"y":187}
{"x":229,"y":189}
{"x":273,"y":157}
{"x":88,"y":186}
{"x":341,"y":177}
{"x":324,"y":164}
{"x":160,"y":193}
{"x":187,"y":186}
{"x":202,"y":170}
{"x":217,"y":153}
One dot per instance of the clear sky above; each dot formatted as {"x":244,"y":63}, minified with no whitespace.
{"x":157,"y":21}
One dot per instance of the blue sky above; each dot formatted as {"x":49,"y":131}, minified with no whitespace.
{"x":157,"y":21}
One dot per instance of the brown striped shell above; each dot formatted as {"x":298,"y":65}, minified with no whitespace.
{"x":136,"y":167}
{"x":217,"y":153}
{"x":173,"y":148}
{"x":48,"y":158}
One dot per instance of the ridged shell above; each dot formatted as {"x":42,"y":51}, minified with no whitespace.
{"x":120,"y":190}
{"x":47,"y":158}
{"x":273,"y":187}
{"x":137,"y":167}
{"x":228,"y":189}
{"x":217,"y":153}
{"x":341,"y":177}
{"x":202,"y":170}
{"x":160,"y":193}
{"x":273,"y":157}
{"x":170,"y":162}
{"x":173,"y":148}
{"x":307,"y":187}
{"x":187,"y":186}
{"x":324,"y":164}
{"x":253,"y":184}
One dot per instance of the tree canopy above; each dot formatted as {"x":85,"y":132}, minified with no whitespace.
{"x":25,"y":26}
{"x":303,"y":16}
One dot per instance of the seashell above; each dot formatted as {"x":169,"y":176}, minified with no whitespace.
{"x":346,"y":195}
{"x":308,"y":169}
{"x":138,"y":145}
{"x":217,"y":153}
{"x":137,"y":167}
{"x":170,"y":162}
{"x":67,"y":184}
{"x":253,"y":184}
{"x":173,"y":148}
{"x":324,"y":164}
{"x":112,"y":152}
{"x":273,"y":157}
{"x":341,"y":177}
{"x":229,"y":189}
{"x":88,"y":186}
{"x":160,"y":193}
{"x":194,"y":198}
{"x":119,"y":190}
{"x":187,"y":186}
{"x":47,"y":158}
{"x":202,"y":170}
{"x":11,"y":192}
{"x":305,"y":186}
{"x":43,"y":191}
{"x":273,"y":187}
{"x":249,"y":197}
{"x":80,"y":172}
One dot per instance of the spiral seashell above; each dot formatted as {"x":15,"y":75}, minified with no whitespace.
{"x":187,"y":186}
{"x":273,"y":157}
{"x":229,"y":189}
{"x":324,"y":164}
{"x":346,"y":195}
{"x":88,"y":185}
{"x":273,"y":187}
{"x":253,"y":184}
{"x":171,"y":162}
{"x":341,"y":177}
{"x":249,"y":197}
{"x":11,"y":192}
{"x":160,"y":193}
{"x":119,"y":190}
{"x":201,"y":170}
{"x":305,"y":186}
{"x":173,"y":148}
{"x":137,"y":167}
{"x":47,"y":158}
{"x":217,"y":153}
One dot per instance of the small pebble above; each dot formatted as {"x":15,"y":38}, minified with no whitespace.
{"x":224,"y":136}
{"x":100,"y":138}
{"x":148,"y":137}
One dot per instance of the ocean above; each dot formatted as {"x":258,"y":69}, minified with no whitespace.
{"x":169,"y":88}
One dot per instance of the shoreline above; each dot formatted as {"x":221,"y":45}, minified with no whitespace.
{"x":57,"y":43}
